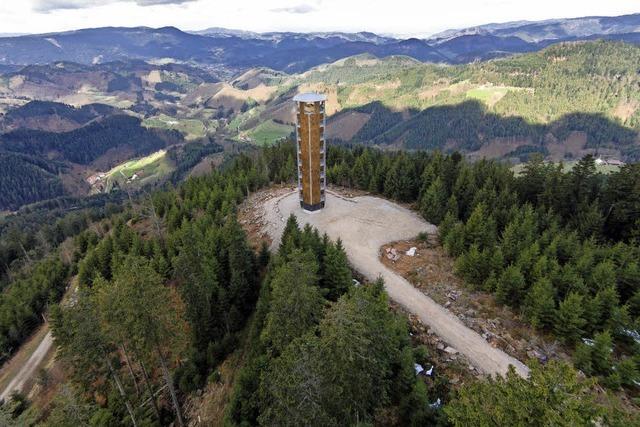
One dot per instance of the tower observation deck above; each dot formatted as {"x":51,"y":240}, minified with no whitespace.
{"x":311,"y":148}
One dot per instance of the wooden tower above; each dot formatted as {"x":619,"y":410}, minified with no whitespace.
{"x":310,"y":142}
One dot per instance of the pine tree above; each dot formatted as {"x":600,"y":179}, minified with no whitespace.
{"x":294,"y":390}
{"x":265,"y":255}
{"x":433,"y":203}
{"x":155,"y":333}
{"x":296,"y":303}
{"x":337,"y":274}
{"x":628,"y":370}
{"x":480,"y":229}
{"x":473,"y":266}
{"x":84,"y":345}
{"x":454,"y":241}
{"x":582,"y":358}
{"x":290,"y":236}
{"x":511,"y":285}
{"x":553,"y":395}
{"x":518,"y":234}
{"x":606,"y":305}
{"x":570,"y":320}
{"x":539,"y":304}
{"x":601,"y":353}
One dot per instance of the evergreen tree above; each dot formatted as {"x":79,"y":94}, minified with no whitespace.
{"x":290,"y":236}
{"x":539,"y":304}
{"x":295,"y":390}
{"x":582,"y":358}
{"x":511,"y":286}
{"x":155,"y":333}
{"x":473,"y":266}
{"x":433,"y":203}
{"x":553,"y":395}
{"x":296,"y":303}
{"x":570,"y":318}
{"x":337,"y":274}
{"x":480,"y":229}
{"x":601,"y":353}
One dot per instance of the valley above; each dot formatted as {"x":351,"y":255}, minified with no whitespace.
{"x":475,"y":263}
{"x":507,"y":108}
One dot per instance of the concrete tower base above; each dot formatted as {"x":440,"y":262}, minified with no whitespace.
{"x":311,"y":208}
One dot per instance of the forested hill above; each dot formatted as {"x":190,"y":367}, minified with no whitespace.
{"x":88,"y":143}
{"x":27,"y":179}
{"x":529,"y":102}
{"x":53,"y":116}
{"x":33,"y":162}
{"x":177,"y":319}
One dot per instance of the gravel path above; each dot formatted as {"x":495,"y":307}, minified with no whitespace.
{"x":365,"y":224}
{"x":28,"y":369}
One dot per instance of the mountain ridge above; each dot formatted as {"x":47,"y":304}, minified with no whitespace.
{"x":237,"y":50}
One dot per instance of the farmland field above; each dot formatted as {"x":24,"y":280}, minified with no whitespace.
{"x":269,"y":132}
{"x":146,"y":169}
{"x":191,"y":128}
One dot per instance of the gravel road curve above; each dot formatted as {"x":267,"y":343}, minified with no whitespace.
{"x":28,"y":369}
{"x":365,"y":224}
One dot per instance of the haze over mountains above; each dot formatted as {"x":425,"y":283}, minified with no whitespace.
{"x":172,"y":88}
{"x":296,"y":52}
{"x":149,"y":275}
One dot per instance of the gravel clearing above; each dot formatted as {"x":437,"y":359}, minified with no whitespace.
{"x":366,"y":223}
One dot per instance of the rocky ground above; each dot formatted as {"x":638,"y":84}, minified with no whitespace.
{"x":431,"y":270}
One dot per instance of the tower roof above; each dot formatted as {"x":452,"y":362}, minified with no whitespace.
{"x":309,"y":97}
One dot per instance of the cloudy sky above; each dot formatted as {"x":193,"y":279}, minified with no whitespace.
{"x":400,"y":17}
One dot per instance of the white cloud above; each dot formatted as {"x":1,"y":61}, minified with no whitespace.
{"x":403,"y":17}
{"x":299,"y":9}
{"x":52,"y":5}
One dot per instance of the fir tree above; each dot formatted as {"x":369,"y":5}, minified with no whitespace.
{"x":433,"y":203}
{"x":337,"y":274}
{"x":570,"y":318}
{"x":539,"y":304}
{"x":511,"y":285}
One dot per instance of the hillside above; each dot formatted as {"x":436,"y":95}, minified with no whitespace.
{"x":563,"y":101}
{"x":25,"y":179}
{"x":475,"y":260}
{"x":552,"y":29}
{"x":198,"y":327}
{"x":52,"y":116}
{"x":43,"y":164}
{"x":542,"y":89}
{"x":230,"y":51}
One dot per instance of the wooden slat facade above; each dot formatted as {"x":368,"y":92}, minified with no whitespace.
{"x":311,"y":154}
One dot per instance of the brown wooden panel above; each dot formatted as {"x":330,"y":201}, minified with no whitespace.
{"x":310,"y":120}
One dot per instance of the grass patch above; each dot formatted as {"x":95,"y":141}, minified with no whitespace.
{"x":241,"y":119}
{"x":191,"y":128}
{"x":268,"y":132}
{"x":145,"y":170}
{"x":518,"y":169}
{"x":488,"y":94}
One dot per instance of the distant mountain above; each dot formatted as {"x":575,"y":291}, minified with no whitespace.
{"x":226,"y":32}
{"x":468,"y":48}
{"x":362,"y":36}
{"x":290,"y":52}
{"x":230,"y":51}
{"x":553,"y":29}
{"x":53,"y":116}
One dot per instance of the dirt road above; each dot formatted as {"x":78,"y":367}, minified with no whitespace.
{"x":366,"y":223}
{"x":28,"y":369}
